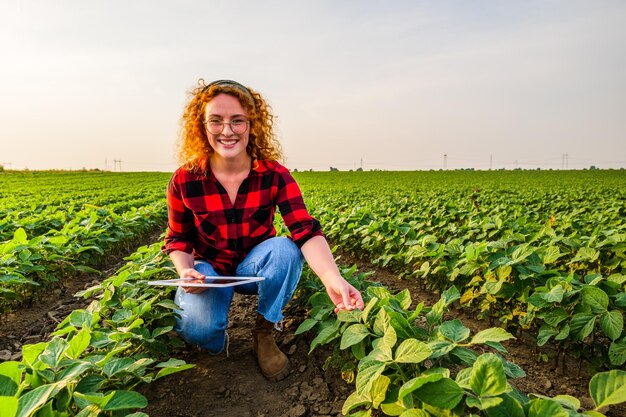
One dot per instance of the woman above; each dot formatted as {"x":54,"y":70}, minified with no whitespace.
{"x":221,"y":205}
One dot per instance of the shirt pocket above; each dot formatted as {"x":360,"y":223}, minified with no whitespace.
{"x":261,"y":221}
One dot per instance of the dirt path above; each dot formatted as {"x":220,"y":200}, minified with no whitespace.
{"x":233,"y":386}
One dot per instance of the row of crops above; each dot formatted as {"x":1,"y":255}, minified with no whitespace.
{"x":409,"y":361}
{"x":453,"y":232}
{"x":98,"y":355}
{"x":53,"y":225}
{"x":543,"y":252}
{"x":402,"y":357}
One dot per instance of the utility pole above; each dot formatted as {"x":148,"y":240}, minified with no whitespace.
{"x":361,"y":164}
{"x":445,"y":161}
{"x":566,"y":161}
{"x":490,"y":162}
{"x":106,"y":165}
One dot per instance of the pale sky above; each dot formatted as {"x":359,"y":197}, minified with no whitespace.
{"x":396,"y":84}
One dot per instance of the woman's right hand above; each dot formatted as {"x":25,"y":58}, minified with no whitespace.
{"x":191,"y":273}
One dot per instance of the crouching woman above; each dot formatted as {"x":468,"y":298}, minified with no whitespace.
{"x":221,"y":205}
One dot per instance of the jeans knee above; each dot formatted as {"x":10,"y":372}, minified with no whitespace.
{"x":205,"y":268}
{"x":206,"y":334}
{"x":287,"y":249}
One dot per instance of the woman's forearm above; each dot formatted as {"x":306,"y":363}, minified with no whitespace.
{"x":182,"y":261}
{"x":319,"y":257}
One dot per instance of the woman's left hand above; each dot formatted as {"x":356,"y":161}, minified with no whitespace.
{"x":344,"y":295}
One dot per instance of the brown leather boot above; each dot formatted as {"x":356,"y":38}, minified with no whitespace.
{"x":273,"y":363}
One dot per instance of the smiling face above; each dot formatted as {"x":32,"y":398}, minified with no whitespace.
{"x":227,"y":145}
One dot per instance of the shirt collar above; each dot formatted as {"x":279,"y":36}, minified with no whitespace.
{"x":259,"y":167}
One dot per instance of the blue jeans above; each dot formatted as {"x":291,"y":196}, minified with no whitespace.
{"x":204,"y":317}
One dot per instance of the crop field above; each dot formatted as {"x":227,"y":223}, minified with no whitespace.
{"x":533,"y":254}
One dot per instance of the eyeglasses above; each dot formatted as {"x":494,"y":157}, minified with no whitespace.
{"x":237,"y":126}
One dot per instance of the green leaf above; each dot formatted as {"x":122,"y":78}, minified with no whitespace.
{"x":608,"y":388}
{"x":556,"y":316}
{"x":8,"y":387}
{"x":555,"y":295}
{"x":172,"y":370}
{"x":368,"y":371}
{"x":483,"y":403}
{"x":306,"y":325}
{"x":415,"y":412}
{"x":612,"y":324}
{"x":412,"y":351}
{"x":328,"y":332}
{"x":90,"y":383}
{"x":122,"y":315}
{"x":509,"y":407}
{"x":545,"y":333}
{"x":78,"y":343}
{"x":355,"y":400}
{"x":466,"y":356}
{"x":568,"y":401}
{"x":11,"y":369}
{"x":494,"y":334}
{"x":117,"y":365}
{"x":353,"y":335}
{"x":368,"y":308}
{"x":487,"y":377}
{"x":595,"y":298}
{"x":33,"y":400}
{"x":445,"y":394}
{"x":581,"y":325}
{"x":404,"y":298}
{"x":454,"y":330}
{"x":90,"y":410}
{"x":379,"y":390}
{"x":401,"y":325}
{"x":440,"y":348}
{"x":415,"y":383}
{"x":80,"y":318}
{"x":75,"y":369}
{"x":54,"y":351}
{"x":8,"y":406}
{"x":349,"y":316}
{"x":546,"y":408}
{"x":382,"y":322}
{"x":96,"y":398}
{"x":617,"y":353}
{"x":30,"y":353}
{"x":124,"y":400}
{"x":19,"y":236}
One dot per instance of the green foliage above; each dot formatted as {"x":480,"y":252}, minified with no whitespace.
{"x":544,"y":251}
{"x":99,"y":354}
{"x":404,"y":360}
{"x":53,"y":225}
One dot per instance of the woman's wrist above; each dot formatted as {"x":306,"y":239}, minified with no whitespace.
{"x":331,"y":278}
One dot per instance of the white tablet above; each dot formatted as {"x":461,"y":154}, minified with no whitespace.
{"x":219,"y":281}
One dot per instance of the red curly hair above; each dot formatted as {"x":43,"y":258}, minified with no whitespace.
{"x":194,"y":150}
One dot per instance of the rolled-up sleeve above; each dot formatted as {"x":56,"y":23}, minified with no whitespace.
{"x":291,"y":205}
{"x":181,"y":231}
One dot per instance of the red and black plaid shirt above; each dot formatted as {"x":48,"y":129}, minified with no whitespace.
{"x":203,"y":221}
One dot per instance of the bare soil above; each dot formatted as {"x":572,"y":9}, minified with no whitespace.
{"x":232,"y":385}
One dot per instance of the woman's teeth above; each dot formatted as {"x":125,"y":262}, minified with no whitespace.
{"x":227,"y":142}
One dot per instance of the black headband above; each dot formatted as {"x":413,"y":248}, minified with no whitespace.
{"x":231,"y":83}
